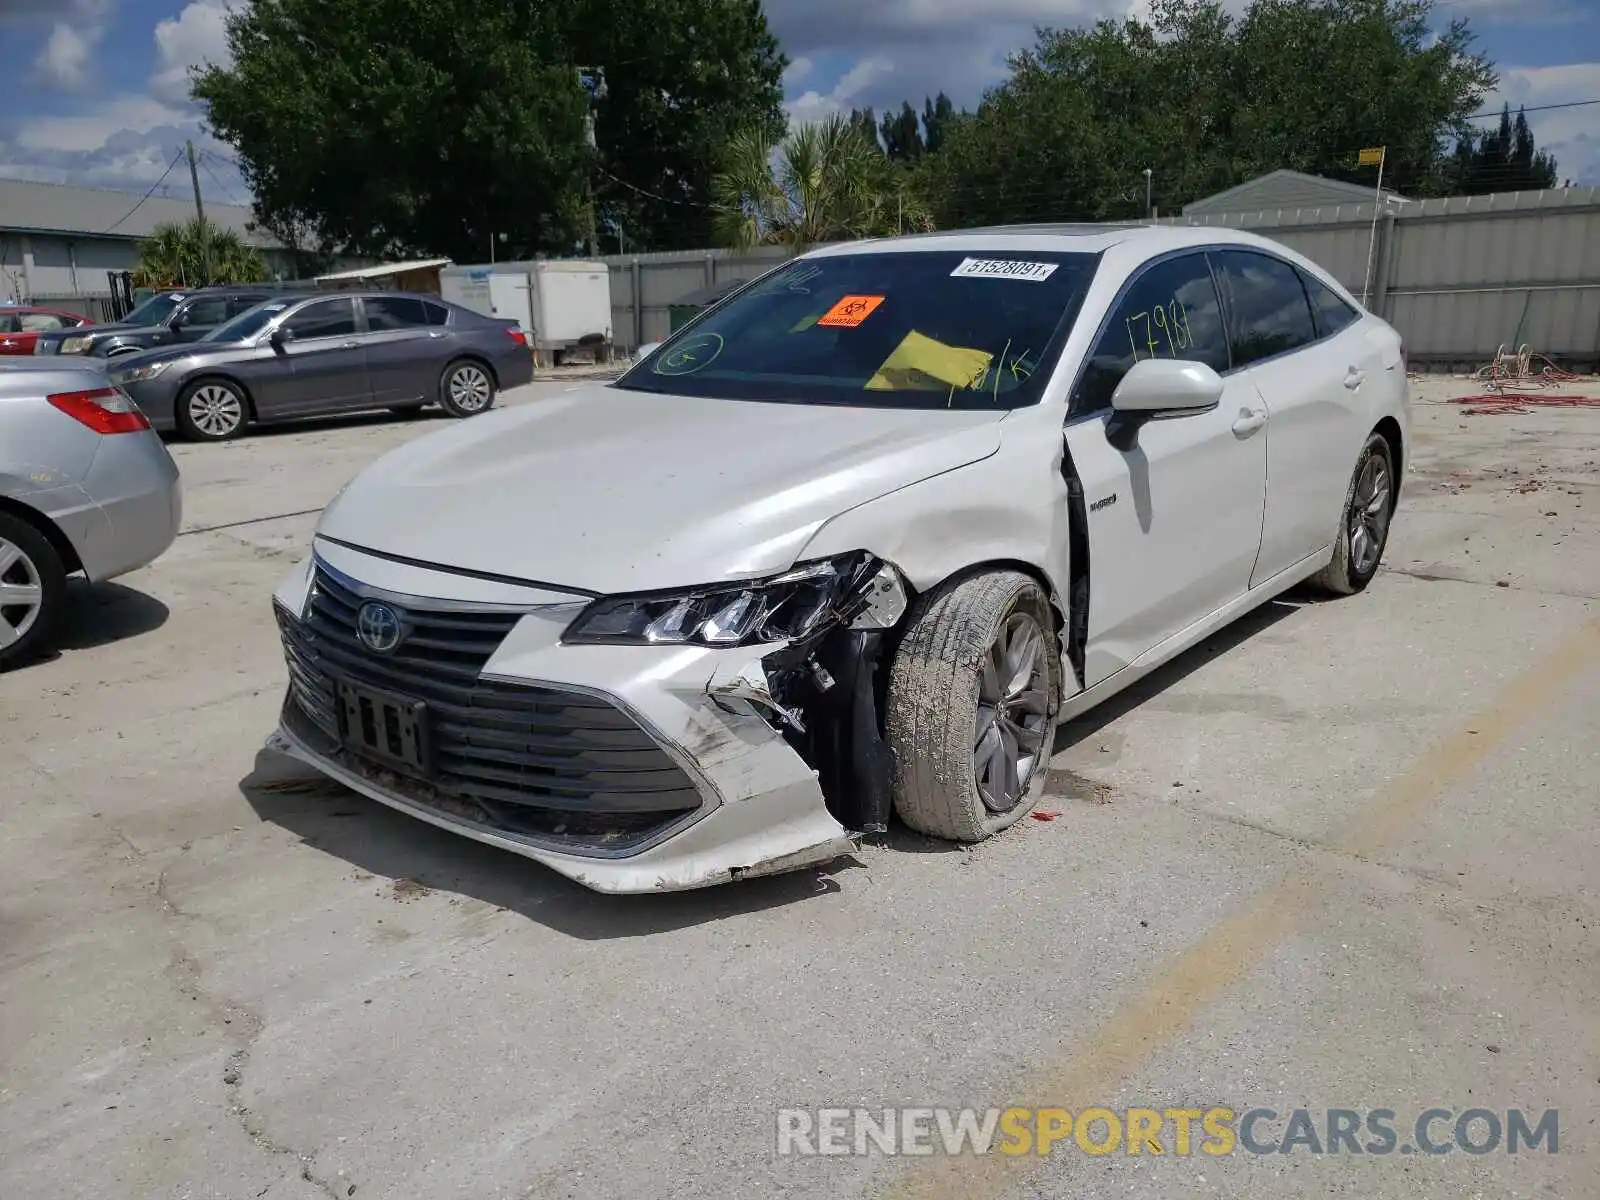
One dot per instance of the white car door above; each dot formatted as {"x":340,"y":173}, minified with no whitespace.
{"x":1311,"y":384}
{"x":1174,"y":522}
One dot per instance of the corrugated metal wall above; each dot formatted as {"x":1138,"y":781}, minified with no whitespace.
{"x":645,"y":286}
{"x":1461,"y":276}
{"x":1458,"y":277}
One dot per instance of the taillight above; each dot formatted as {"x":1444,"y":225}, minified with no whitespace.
{"x":517,"y":335}
{"x":104,"y":410}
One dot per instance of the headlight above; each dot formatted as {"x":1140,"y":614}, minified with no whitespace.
{"x":787,"y":607}
{"x":75,"y":345}
{"x":138,"y":374}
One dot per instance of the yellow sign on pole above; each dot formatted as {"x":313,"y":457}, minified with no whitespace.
{"x":1370,"y":158}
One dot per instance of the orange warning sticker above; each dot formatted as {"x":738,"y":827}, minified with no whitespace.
{"x":850,"y":311}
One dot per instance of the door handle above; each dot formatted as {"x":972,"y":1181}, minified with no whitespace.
{"x":351,"y":346}
{"x":1249,"y":421}
{"x":1354,"y":378}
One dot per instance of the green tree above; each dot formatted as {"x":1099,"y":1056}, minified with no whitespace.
{"x":830,"y":183}
{"x":1503,"y":159}
{"x":867,"y":121}
{"x":187,"y":256}
{"x":430,"y":126}
{"x":902,"y":139}
{"x":937,"y":114}
{"x":1206,"y":101}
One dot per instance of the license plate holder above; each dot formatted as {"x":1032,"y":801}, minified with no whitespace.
{"x":379,"y":725}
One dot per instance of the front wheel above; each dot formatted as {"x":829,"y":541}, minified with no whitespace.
{"x":974,"y":696}
{"x":1363,"y":523}
{"x":212,"y":410}
{"x":33,"y":591}
{"x":466,"y":389}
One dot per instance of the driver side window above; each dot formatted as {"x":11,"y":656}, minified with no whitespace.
{"x":1171,"y":311}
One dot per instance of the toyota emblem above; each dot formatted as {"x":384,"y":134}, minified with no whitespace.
{"x":378,"y":627}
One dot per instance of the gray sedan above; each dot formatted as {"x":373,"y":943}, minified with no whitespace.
{"x":85,"y":485}
{"x":312,"y":355}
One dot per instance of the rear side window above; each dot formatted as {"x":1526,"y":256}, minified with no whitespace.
{"x":394,"y":312}
{"x":438,"y":314}
{"x":1171,"y":311}
{"x":1330,"y":312}
{"x":1267,"y":305}
{"x":239,"y":304}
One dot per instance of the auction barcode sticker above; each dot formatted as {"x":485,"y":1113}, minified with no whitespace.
{"x":1003,"y":268}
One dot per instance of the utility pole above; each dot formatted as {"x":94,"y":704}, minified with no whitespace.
{"x":200,"y":218}
{"x":596,"y":93}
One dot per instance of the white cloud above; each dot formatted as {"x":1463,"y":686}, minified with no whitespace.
{"x":797,"y":70}
{"x":814,"y":106}
{"x":196,"y":36}
{"x":63,"y":63}
{"x":1571,"y":134}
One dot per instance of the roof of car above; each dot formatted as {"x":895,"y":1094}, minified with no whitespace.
{"x":1063,"y":237}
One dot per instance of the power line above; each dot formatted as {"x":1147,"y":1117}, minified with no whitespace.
{"x":1536,"y":108}
{"x":221,"y":186}
{"x":175,"y":159}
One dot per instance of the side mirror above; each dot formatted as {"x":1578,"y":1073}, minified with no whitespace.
{"x":1160,"y":387}
{"x":645,"y":351}
{"x":279,"y":336}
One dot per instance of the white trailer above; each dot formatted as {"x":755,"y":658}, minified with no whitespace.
{"x":563,"y":304}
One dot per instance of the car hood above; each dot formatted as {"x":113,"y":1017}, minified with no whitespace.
{"x":606,"y":490}
{"x":57,"y":335}
{"x":144,"y":358}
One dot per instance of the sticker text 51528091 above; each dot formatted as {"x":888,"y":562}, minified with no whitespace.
{"x":1003,"y":268}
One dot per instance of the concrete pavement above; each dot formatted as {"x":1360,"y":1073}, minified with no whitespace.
{"x":1343,"y":855}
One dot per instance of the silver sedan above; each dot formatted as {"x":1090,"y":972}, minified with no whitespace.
{"x":85,"y":486}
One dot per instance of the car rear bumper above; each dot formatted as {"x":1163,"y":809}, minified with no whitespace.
{"x":134,"y":483}
{"x":612,"y":765}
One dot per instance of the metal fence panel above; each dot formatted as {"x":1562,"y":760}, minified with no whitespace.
{"x":1461,"y":276}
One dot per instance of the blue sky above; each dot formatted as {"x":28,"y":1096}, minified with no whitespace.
{"x":99,"y":95}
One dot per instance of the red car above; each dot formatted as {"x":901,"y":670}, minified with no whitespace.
{"x":20,"y":326}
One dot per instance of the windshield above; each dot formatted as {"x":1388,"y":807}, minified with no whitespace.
{"x":247,"y":324}
{"x":153,"y":311}
{"x":918,"y":329}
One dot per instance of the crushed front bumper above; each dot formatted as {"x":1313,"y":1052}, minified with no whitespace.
{"x":613,"y":765}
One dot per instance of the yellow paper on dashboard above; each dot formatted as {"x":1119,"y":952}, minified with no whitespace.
{"x":921,"y":363}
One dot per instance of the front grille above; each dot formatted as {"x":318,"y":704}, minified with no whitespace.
{"x":519,"y":758}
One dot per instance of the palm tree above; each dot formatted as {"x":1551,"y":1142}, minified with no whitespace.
{"x":187,"y":255}
{"x":826,"y":181}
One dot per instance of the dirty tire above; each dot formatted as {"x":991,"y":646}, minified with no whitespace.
{"x":33,"y":592}
{"x":466,"y":388}
{"x":934,"y":697}
{"x":1350,"y":572}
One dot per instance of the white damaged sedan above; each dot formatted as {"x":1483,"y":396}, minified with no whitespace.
{"x":851,"y":543}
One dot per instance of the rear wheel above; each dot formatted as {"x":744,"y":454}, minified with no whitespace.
{"x":1364,"y":522}
{"x":466,"y":389}
{"x":974,"y":696}
{"x":212,"y":410}
{"x":33,"y":591}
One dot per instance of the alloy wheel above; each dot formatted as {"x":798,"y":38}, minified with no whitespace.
{"x":21,"y":594}
{"x":470,"y":388}
{"x":1013,"y":713}
{"x":216,"y":410}
{"x":1368,"y":522}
